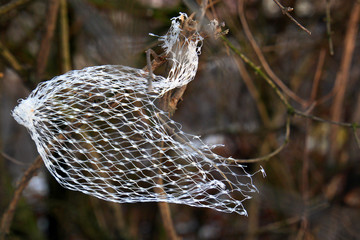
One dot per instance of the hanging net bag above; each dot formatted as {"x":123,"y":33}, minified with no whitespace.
{"x":99,"y":131}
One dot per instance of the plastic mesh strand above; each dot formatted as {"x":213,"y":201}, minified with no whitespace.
{"x":99,"y":132}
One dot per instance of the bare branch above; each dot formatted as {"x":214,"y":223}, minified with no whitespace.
{"x":290,"y":108}
{"x":43,"y":54}
{"x":286,"y":11}
{"x":356,"y":137}
{"x":262,"y":58}
{"x":8,"y":56}
{"x":9,"y":213}
{"x":342,"y":76}
{"x":11,"y":159}
{"x":11,"y":5}
{"x":64,"y":26}
{"x":328,"y":27}
{"x":272,"y":154}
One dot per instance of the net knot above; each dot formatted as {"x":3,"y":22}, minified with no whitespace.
{"x":24,"y":113}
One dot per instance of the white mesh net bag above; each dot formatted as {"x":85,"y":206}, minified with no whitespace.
{"x":99,"y":131}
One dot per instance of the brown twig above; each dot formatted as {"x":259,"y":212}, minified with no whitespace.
{"x":328,"y":27}
{"x":306,"y":159}
{"x":166,"y":214}
{"x":164,"y":207}
{"x":64,"y":26}
{"x":10,"y":58}
{"x":254,"y":93}
{"x":202,"y":11}
{"x":258,"y":71}
{"x":317,"y":76}
{"x":289,"y":107}
{"x":303,"y":228}
{"x":262,"y":58}
{"x":9,"y":213}
{"x":356,"y":137}
{"x":211,"y":6}
{"x":11,"y":159}
{"x":43,"y":54}
{"x":319,"y":119}
{"x":305,"y":180}
{"x":343,"y":73}
{"x":272,"y":154}
{"x":11,"y":5}
{"x":277,"y":225}
{"x":286,"y":11}
{"x":29,"y":173}
{"x":342,"y":76}
{"x":254,"y":216}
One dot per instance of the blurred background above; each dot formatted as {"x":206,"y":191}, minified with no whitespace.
{"x":312,"y":188}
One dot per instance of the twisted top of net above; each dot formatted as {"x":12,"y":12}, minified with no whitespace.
{"x":100,"y":132}
{"x":183,"y":48}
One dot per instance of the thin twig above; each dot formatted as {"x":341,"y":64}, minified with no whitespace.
{"x":10,"y":58}
{"x":164,"y":206}
{"x":259,"y":72}
{"x":254,"y":209}
{"x":11,"y":5}
{"x":254,"y":93}
{"x":9,"y":213}
{"x":65,"y":49}
{"x":356,"y":137}
{"x":165,"y":210}
{"x":43,"y":54}
{"x":211,"y":6}
{"x":286,"y":11}
{"x":342,"y":76}
{"x":11,"y":159}
{"x":262,"y":58}
{"x":319,"y":119}
{"x":317,"y":76}
{"x":151,"y":74}
{"x":272,"y":154}
{"x":290,"y":108}
{"x":305,"y":181}
{"x":328,"y":27}
{"x":304,"y":225}
{"x":202,"y":11}
{"x":167,"y":221}
{"x":272,"y":227}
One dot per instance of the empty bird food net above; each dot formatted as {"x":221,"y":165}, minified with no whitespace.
{"x":99,"y":131}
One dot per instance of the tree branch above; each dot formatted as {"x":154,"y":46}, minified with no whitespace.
{"x":11,"y":5}
{"x":286,"y":11}
{"x":9,"y":213}
{"x":291,"y":110}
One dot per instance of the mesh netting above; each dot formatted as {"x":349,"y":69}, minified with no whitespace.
{"x":99,"y":131}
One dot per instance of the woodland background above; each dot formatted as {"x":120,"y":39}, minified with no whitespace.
{"x":312,"y":188}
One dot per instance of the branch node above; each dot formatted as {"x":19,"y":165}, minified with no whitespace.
{"x":290,"y":110}
{"x":287,"y":10}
